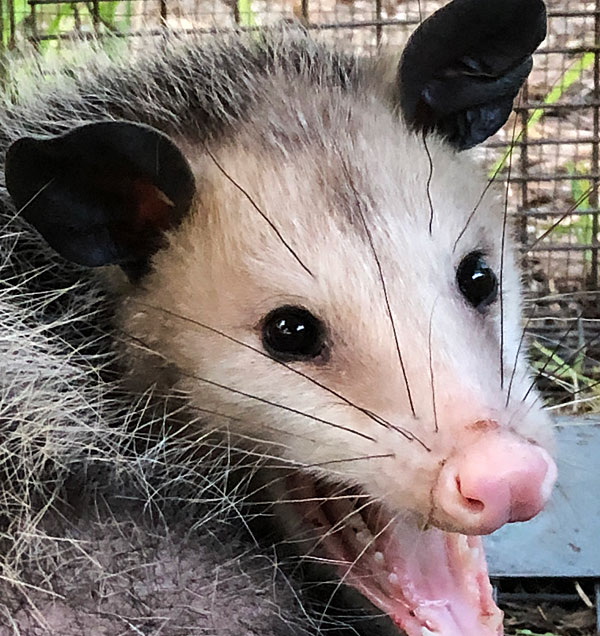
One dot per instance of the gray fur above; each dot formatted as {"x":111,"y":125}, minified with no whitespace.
{"x":213,"y":88}
{"x":106,"y":526}
{"x":89,"y":542}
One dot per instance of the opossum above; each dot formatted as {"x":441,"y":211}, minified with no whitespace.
{"x":307,"y":262}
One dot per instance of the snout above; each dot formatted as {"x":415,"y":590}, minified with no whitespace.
{"x":498,"y":479}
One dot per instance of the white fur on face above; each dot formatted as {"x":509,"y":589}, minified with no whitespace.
{"x":320,"y":168}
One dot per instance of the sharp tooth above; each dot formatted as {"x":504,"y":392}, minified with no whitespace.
{"x":393,"y":579}
{"x":356,"y":521}
{"x":427,"y":632}
{"x":463,"y":545}
{"x":378,"y":556}
{"x":364,"y":536}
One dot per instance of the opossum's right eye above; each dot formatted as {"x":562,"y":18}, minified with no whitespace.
{"x":477,"y":281}
{"x":293,"y":333}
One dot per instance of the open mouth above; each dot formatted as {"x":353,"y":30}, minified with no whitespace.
{"x":428,"y":581}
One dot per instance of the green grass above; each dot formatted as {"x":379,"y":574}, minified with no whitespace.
{"x":571,"y":75}
{"x":570,"y":376}
{"x":246,"y":13}
{"x":20,"y":11}
{"x":582,"y":227}
{"x":114,"y":17}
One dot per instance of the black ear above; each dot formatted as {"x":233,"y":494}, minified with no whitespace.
{"x":102,"y":193}
{"x":463,"y":67}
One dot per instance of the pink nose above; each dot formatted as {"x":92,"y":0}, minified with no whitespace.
{"x":498,"y":479}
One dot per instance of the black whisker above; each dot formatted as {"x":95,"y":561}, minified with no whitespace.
{"x":502,"y":253}
{"x":376,"y":418}
{"x":500,"y":165}
{"x":476,"y":206}
{"x":550,"y":358}
{"x":569,"y":211}
{"x":578,"y":352}
{"x":224,"y":387}
{"x":381,"y":279}
{"x":429,"y":179}
{"x":514,"y":369}
{"x":567,"y":364}
{"x":257,"y":208}
{"x":431,"y":376}
{"x":588,"y":387}
{"x":507,"y":155}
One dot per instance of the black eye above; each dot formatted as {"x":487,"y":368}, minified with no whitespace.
{"x":476,"y":280}
{"x":293,"y":333}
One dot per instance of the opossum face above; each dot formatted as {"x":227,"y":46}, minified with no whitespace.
{"x":342,"y":296}
{"x":307,"y":363}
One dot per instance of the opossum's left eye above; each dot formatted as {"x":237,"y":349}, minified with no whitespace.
{"x":293,"y":333}
{"x":476,"y":280}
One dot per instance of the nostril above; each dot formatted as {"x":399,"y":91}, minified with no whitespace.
{"x":474,"y":505}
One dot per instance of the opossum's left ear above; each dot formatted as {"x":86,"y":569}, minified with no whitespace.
{"x":463,"y":67}
{"x":102,"y":193}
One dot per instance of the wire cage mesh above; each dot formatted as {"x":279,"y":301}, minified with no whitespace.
{"x":551,"y":175}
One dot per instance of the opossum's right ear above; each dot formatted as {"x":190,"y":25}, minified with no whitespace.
{"x":102,"y":193}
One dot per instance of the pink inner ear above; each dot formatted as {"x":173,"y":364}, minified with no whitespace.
{"x":154,"y":209}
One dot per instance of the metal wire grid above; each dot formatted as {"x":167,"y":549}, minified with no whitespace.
{"x":554,"y":168}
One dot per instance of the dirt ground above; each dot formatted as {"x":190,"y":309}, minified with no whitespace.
{"x":572,"y":615}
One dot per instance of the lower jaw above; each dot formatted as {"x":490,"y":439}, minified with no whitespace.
{"x":429,"y":582}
